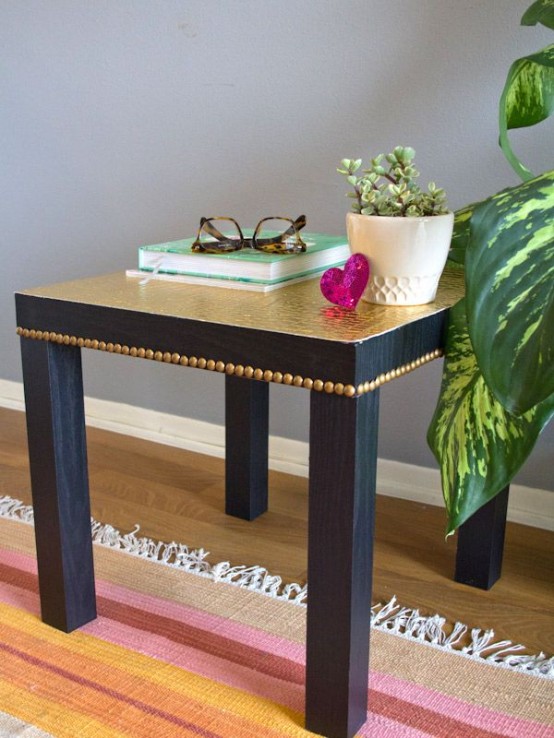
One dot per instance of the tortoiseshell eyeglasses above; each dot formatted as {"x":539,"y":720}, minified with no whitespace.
{"x":273,"y":235}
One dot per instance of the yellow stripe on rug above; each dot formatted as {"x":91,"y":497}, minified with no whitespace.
{"x":88,"y":674}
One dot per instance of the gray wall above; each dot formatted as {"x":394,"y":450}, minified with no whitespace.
{"x":122,"y":122}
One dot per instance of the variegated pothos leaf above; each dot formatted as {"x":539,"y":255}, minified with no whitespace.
{"x":478,"y":444}
{"x":541,"y":11}
{"x":527,"y":99}
{"x":510,"y":292}
{"x":460,"y":236}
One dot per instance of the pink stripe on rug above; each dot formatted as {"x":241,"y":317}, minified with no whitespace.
{"x":194,"y":617}
{"x":479,"y":717}
{"x":425,"y":712}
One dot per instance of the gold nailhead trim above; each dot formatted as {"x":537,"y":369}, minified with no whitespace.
{"x":266,"y":375}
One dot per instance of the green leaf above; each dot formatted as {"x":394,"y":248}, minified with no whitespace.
{"x":527,"y":99}
{"x":510,"y":292}
{"x":460,"y":235}
{"x":541,"y":11}
{"x":478,"y":444}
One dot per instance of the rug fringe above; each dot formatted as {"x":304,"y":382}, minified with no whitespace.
{"x":391,"y":617}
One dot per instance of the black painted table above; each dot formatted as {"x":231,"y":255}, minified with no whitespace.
{"x":291,"y":336}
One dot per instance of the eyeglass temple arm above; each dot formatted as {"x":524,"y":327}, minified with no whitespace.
{"x":207,"y":225}
{"x":297,"y":225}
{"x":294,"y":227}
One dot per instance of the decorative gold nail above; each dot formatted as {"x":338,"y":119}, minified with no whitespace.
{"x":239,"y":370}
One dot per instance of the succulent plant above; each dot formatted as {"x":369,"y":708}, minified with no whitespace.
{"x":388,"y":186}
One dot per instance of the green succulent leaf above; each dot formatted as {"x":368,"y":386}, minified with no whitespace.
{"x":479,"y":445}
{"x":541,"y":11}
{"x":527,"y":99}
{"x":510,"y":292}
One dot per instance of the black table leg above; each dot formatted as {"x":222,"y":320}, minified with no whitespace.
{"x":246,"y":447}
{"x":59,"y":477}
{"x":481,"y":544}
{"x":343,"y":460}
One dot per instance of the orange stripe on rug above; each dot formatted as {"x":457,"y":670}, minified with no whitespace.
{"x":117,"y":681}
{"x":166,"y":667}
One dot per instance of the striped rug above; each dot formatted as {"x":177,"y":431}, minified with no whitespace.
{"x":174,"y":653}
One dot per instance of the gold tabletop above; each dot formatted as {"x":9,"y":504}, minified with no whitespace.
{"x":299,"y":309}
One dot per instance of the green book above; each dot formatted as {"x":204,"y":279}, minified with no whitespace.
{"x":323,"y":251}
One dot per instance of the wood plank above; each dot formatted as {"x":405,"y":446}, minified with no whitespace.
{"x":169,"y":491}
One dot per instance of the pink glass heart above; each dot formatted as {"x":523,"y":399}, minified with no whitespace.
{"x":345,"y":286}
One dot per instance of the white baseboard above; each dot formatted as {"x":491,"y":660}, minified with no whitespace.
{"x":528,"y":505}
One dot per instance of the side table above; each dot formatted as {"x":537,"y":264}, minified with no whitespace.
{"x":290,"y":336}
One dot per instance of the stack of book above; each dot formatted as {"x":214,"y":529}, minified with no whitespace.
{"x":247,"y":269}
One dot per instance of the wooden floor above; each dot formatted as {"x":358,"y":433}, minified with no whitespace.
{"x":178,"y":495}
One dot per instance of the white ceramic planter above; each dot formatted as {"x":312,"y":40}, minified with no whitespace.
{"x":406,"y":255}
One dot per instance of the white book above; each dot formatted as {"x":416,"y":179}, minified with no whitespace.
{"x":229,"y":283}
